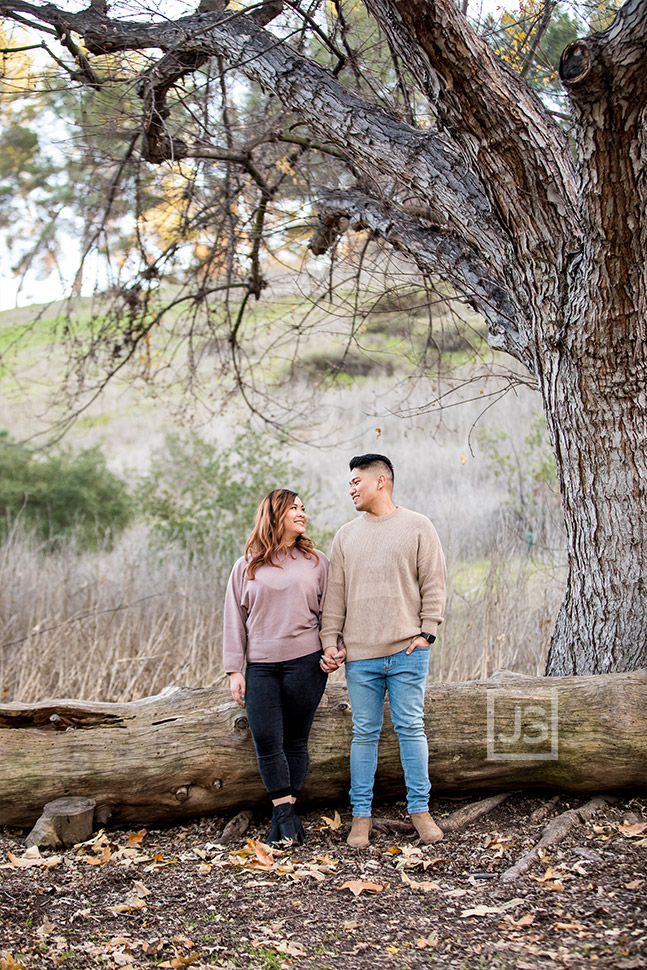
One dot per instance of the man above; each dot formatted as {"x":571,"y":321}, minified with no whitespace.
{"x":386,"y":598}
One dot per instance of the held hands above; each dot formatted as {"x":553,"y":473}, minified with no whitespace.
{"x":237,"y":687}
{"x":333,"y":658}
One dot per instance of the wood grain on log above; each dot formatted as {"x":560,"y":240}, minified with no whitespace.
{"x":188,"y":752}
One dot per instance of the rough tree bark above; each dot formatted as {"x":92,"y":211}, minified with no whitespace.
{"x":544,"y":236}
{"x":189,"y":752}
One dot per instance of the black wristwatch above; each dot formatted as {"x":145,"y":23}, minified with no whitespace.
{"x":429,"y":637}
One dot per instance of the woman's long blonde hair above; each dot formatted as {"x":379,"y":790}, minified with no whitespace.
{"x":267,"y":538}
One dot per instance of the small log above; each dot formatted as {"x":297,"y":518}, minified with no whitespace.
{"x":554,"y":833}
{"x":189,"y":752}
{"x":64,"y":822}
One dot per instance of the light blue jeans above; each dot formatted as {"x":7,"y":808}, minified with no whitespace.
{"x":405,"y":679}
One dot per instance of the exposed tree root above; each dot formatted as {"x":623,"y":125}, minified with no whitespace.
{"x":542,"y":811}
{"x":464,"y":816}
{"x":236,"y":826}
{"x":553,"y":834}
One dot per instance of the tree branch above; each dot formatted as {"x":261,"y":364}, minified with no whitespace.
{"x":435,"y":251}
{"x":370,"y":138}
{"x":613,"y":60}
{"x":527,"y":167}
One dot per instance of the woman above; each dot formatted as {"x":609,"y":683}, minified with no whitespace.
{"x":271,"y":632}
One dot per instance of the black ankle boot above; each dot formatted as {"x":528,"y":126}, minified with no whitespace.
{"x":286,"y":825}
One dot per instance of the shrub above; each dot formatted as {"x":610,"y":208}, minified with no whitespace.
{"x":204,"y":496}
{"x":529,"y":475}
{"x":62,"y":497}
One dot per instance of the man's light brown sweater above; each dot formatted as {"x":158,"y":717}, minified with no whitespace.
{"x":386,"y":584}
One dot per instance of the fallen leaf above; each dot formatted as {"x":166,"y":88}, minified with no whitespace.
{"x":332,"y":823}
{"x":121,"y":959}
{"x":424,"y":941}
{"x":632,"y":831}
{"x":350,"y":925}
{"x":424,"y":887}
{"x":263,"y":858}
{"x":552,"y":878}
{"x":44,"y":929}
{"x":131,"y":905}
{"x":358,"y":886}
{"x":635,"y":884}
{"x":136,"y":837}
{"x":483,"y":910}
{"x":290,"y":948}
{"x":526,"y":920}
{"x":32,"y":857}
{"x":7,"y":962}
{"x":141,"y":890}
{"x":102,"y":859}
{"x":573,"y":925}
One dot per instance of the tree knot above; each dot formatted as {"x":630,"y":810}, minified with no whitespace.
{"x":575,"y":62}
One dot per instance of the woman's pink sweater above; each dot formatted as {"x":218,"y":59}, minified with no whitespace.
{"x":276,"y":615}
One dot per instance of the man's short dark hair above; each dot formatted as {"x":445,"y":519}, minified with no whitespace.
{"x":369,"y":461}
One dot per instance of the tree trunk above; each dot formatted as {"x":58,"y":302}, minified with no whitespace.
{"x":594,"y":373}
{"x":189,"y":752}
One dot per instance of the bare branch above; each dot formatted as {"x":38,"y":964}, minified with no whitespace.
{"x":370,"y":138}
{"x":435,"y":250}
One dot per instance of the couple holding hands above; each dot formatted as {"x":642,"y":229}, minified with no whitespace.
{"x":375,"y":607}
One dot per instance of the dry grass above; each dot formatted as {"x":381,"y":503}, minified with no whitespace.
{"x":127,"y":623}
{"x":118,"y":625}
{"x":106,"y":626}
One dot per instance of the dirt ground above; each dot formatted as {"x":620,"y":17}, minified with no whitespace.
{"x":175,"y":897}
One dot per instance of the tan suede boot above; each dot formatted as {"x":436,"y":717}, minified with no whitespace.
{"x":359,"y":832}
{"x":426,"y":827}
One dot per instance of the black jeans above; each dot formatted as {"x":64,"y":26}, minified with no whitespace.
{"x":280,"y":703}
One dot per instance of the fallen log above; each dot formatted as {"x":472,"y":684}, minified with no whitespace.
{"x":188,"y":752}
